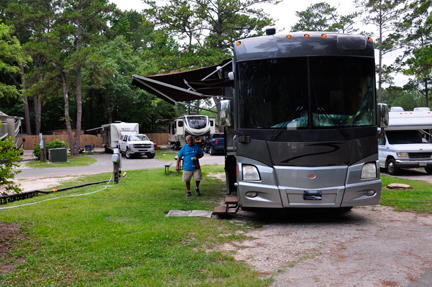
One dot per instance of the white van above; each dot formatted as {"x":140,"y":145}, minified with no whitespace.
{"x":405,"y":142}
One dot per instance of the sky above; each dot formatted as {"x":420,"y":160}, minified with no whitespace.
{"x":284,"y":14}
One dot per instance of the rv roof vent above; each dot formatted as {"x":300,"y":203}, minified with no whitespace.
{"x":117,"y":122}
{"x":270,"y":31}
{"x":192,"y":113}
{"x":422,"y":109}
{"x":396,"y":109}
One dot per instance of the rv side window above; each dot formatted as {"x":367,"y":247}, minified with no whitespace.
{"x":382,"y":140}
{"x":180,"y":124}
{"x":211,"y":123}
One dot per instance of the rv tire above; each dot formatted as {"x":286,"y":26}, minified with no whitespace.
{"x":428,"y":170}
{"x":391,"y":167}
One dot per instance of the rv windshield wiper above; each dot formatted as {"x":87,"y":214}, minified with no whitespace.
{"x":293,"y":115}
{"x":339,"y":127}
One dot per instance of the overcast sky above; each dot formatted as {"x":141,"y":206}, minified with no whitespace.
{"x":284,"y":14}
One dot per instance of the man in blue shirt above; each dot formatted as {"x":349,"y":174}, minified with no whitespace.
{"x":190,"y":154}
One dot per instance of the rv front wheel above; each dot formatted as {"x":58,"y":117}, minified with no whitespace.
{"x":391,"y":167}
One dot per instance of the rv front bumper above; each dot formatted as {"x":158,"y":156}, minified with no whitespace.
{"x":405,"y":163}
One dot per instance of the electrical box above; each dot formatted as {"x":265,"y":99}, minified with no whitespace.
{"x":57,"y":155}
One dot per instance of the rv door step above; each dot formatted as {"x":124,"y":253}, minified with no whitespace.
{"x":231,"y":202}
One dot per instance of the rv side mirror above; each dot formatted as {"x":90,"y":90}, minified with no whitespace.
{"x":383,"y":115}
{"x":225,"y":113}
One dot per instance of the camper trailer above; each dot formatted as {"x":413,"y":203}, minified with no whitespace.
{"x":11,"y":127}
{"x":405,"y":143}
{"x":111,"y":133}
{"x":194,"y":125}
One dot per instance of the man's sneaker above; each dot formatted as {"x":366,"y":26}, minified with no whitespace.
{"x":197,"y":191}
{"x":188,"y":193}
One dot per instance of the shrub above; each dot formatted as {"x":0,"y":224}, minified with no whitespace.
{"x":49,"y":145}
{"x":9,"y":158}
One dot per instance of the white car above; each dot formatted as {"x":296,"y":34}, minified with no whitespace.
{"x":136,"y":145}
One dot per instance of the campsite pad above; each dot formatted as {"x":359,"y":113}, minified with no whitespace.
{"x":193,"y":213}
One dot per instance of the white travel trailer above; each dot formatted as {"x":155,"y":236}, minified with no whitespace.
{"x":111,"y":133}
{"x":194,"y":125}
{"x":11,"y":127}
{"x":405,"y":143}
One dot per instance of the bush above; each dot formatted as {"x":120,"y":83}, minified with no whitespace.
{"x":9,"y":158}
{"x":49,"y":145}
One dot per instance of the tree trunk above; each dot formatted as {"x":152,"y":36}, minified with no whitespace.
{"x":380,"y":57}
{"x":26,"y":107}
{"x":66,"y":110}
{"x":75,"y":151}
{"x":37,"y":106}
{"x":426,"y":92}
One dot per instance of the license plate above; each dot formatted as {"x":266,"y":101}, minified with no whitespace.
{"x":143,"y":153}
{"x":422,"y":163}
{"x":312,"y":195}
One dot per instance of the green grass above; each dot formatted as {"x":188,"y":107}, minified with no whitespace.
{"x":418,"y":199}
{"x":166,"y":155}
{"x":82,"y":160}
{"x":121,"y":236}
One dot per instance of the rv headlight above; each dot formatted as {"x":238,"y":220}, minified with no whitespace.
{"x":250,"y":172}
{"x":402,"y":154}
{"x":369,"y":170}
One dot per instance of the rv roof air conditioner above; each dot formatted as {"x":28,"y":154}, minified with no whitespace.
{"x":396,"y":109}
{"x":422,"y":109}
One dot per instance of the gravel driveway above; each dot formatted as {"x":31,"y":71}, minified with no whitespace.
{"x":368,"y":246}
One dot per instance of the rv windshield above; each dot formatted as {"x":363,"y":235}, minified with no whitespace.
{"x":288,"y":92}
{"x":138,"y":138}
{"x":196,"y":122}
{"x":404,"y":137}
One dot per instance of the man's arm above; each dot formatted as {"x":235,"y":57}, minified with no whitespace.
{"x":177,"y":164}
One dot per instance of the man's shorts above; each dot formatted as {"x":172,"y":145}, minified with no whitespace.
{"x":187,"y":175}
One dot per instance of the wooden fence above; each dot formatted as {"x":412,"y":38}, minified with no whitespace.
{"x":96,"y":140}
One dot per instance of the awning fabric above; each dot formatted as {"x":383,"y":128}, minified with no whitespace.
{"x":173,"y":88}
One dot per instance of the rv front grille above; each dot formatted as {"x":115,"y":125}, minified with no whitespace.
{"x":419,"y":155}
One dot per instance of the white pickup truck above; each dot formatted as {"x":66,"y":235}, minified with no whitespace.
{"x":136,"y":145}
{"x":404,"y":143}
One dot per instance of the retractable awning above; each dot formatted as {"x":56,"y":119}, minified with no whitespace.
{"x":187,"y":85}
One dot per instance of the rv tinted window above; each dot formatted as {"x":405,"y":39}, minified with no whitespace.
{"x":342,"y":91}
{"x":404,"y":137}
{"x":270,"y":91}
{"x":196,"y":122}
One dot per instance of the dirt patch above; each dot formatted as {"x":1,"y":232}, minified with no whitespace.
{"x":10,"y":236}
{"x":368,"y":246}
{"x":219,"y":175}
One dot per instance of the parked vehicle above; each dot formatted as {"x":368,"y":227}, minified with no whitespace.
{"x":197,"y":126}
{"x":215,"y":144}
{"x":111,"y":133}
{"x":11,"y":127}
{"x":300,"y":118}
{"x":405,"y":142}
{"x":136,"y":145}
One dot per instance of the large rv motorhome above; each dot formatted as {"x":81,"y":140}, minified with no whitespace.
{"x":303,"y":119}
